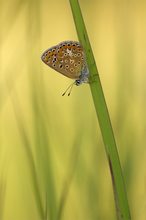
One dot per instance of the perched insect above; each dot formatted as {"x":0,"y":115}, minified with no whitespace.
{"x":68,"y":58}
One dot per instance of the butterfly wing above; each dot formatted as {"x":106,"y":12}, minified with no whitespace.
{"x":67,"y":58}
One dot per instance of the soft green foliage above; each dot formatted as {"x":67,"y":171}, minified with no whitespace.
{"x":53,"y":164}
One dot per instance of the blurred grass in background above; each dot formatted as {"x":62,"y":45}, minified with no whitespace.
{"x":52,"y":162}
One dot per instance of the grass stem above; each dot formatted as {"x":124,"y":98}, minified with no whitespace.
{"x":121,"y":202}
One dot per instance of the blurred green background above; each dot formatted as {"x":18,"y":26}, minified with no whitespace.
{"x":52,"y":159}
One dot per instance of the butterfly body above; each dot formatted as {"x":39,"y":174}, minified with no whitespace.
{"x":68,"y":58}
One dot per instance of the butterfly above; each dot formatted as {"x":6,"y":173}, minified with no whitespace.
{"x":68,"y":58}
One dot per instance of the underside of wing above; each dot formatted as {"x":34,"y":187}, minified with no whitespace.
{"x":67,"y":58}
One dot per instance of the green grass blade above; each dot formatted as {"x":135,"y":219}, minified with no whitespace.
{"x":121,"y":201}
{"x":28,"y":150}
{"x":2,"y":194}
{"x":73,"y":161}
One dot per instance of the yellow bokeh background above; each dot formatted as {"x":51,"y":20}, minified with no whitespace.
{"x":49,"y":143}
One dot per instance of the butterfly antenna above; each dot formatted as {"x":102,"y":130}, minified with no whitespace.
{"x":69,"y":88}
